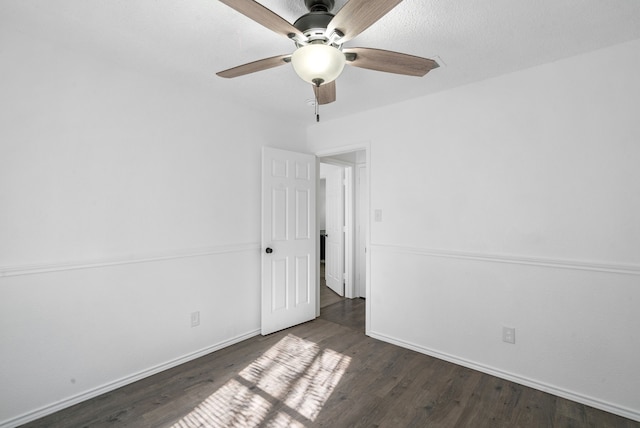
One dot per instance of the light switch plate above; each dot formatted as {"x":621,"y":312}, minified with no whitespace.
{"x":508,"y":334}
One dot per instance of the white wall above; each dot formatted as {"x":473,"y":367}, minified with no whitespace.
{"x":513,"y":202}
{"x":127,"y":201}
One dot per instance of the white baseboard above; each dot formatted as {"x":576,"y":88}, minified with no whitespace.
{"x":551,"y":389}
{"x":68,"y":402}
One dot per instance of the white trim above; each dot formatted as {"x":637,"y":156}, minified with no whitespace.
{"x":361,"y":212}
{"x":499,"y":258}
{"x":365,"y":145}
{"x":551,"y":389}
{"x":317,"y":261}
{"x":111,"y":386}
{"x":349,"y":233}
{"x":336,"y":162}
{"x":368,"y":286}
{"x":7,"y":271}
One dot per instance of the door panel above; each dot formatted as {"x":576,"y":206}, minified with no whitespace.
{"x":303,"y":282}
{"x":334,"y":241}
{"x":288,"y":225}
{"x":303,"y":199}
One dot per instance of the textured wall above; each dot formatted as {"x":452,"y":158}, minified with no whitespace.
{"x":128,"y":201}
{"x":513,"y":202}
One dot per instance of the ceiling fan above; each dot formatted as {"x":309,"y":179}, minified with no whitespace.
{"x":319,"y":57}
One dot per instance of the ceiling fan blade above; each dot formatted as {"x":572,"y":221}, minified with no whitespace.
{"x":252,"y":67}
{"x":358,"y":15}
{"x":264,"y":16}
{"x":389,"y":61}
{"x":326,"y":93}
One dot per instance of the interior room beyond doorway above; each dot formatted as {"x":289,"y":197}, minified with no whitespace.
{"x":342,"y":213}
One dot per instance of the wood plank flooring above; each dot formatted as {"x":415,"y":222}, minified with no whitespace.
{"x":327,"y":295}
{"x":326,"y":373}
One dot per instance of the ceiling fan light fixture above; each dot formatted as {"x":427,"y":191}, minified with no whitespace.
{"x":318,"y":63}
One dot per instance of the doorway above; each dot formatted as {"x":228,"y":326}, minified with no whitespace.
{"x":343,"y":182}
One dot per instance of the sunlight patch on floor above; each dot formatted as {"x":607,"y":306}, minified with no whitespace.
{"x":283,"y":420}
{"x":233,"y":405}
{"x":294,"y":374}
{"x":316,"y":384}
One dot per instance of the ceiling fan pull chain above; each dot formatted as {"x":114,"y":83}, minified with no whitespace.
{"x":317,"y":110}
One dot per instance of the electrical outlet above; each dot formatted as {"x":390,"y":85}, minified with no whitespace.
{"x":195,"y":319}
{"x":508,"y":334}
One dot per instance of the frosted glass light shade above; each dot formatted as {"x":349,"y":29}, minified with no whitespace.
{"x":313,"y":62}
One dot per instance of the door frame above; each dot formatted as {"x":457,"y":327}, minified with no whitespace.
{"x":339,"y":150}
{"x":360,"y":220}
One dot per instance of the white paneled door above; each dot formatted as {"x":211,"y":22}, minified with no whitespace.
{"x":288,"y":239}
{"x":334,"y":240}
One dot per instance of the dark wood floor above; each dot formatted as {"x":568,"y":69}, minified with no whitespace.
{"x":327,"y":295}
{"x":326,"y":373}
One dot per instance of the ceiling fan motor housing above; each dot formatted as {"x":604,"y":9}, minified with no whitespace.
{"x":313,"y":25}
{"x":319,"y":5}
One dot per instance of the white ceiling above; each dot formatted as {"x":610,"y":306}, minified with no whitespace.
{"x":472,"y":40}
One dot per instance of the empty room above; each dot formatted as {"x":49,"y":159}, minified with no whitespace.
{"x":160,"y":241}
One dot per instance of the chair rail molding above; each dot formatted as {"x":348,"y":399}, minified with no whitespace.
{"x":624,"y":269}
{"x":33,"y":269}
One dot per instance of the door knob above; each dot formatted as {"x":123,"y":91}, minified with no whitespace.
{"x":269,"y":250}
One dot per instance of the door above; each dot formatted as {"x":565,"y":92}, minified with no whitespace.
{"x":334,"y":239}
{"x":288,"y":239}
